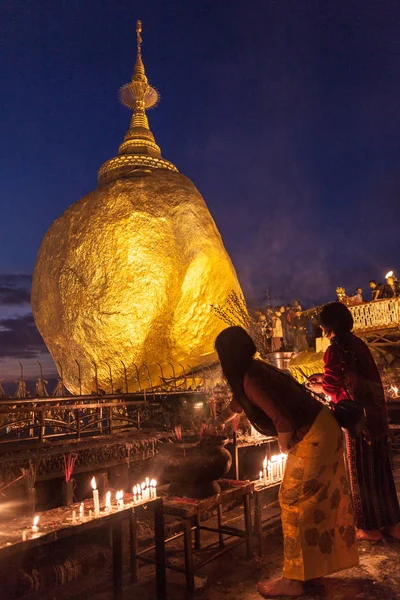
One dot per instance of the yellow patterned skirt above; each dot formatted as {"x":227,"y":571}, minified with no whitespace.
{"x":317,"y":515}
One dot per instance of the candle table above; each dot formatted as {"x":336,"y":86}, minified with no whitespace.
{"x":189,"y":511}
{"x":59,"y":523}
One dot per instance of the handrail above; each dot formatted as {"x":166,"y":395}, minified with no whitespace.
{"x":377,"y":315}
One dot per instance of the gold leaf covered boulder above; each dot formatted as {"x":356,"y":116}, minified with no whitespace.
{"x":127,"y":275}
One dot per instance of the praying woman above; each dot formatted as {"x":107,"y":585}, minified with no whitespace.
{"x":316,"y":512}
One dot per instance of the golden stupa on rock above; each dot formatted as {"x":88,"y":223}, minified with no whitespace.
{"x":127,"y":274}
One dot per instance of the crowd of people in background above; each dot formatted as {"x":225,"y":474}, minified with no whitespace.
{"x":379,"y":291}
{"x":286,"y":328}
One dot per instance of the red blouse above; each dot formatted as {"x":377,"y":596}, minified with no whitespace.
{"x":353,"y":374}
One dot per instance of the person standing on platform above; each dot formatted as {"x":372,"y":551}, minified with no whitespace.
{"x":350,"y":373}
{"x":296,"y":306}
{"x":277,"y":332}
{"x":317,"y":519}
{"x":392,"y":288}
{"x":300,"y":332}
{"x":285,"y":327}
{"x":357,"y":298}
{"x":376,"y":289}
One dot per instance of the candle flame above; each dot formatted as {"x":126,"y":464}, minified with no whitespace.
{"x":36,"y":521}
{"x":143,"y":486}
{"x":93,"y":483}
{"x":134,"y":490}
{"x":153,"y":483}
{"x":147,"y":482}
{"x":265,"y":463}
{"x":395,"y":390}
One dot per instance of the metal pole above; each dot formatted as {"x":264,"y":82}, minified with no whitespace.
{"x":125,"y":378}
{"x":137,"y":377}
{"x":96,"y":378}
{"x":79,"y":378}
{"x":111,"y":379}
{"x":173,"y":374}
{"x":61,"y":376}
{"x":184,"y":375}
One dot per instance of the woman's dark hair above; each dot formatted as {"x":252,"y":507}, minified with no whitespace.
{"x":337,"y":318}
{"x":235,"y":350}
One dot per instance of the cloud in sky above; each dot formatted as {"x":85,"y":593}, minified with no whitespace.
{"x":19,"y":337}
{"x":15,"y":289}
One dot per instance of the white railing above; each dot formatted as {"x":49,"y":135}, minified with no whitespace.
{"x":381,"y":314}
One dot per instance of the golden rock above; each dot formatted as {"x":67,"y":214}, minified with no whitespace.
{"x":126,"y":276}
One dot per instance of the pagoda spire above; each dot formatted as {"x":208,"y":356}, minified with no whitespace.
{"x":138,"y":94}
{"x":139,"y":149}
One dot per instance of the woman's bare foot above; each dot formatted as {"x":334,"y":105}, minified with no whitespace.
{"x":393,"y":531}
{"x":281,"y":587}
{"x":369,"y":535}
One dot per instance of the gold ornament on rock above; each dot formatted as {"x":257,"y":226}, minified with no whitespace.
{"x":126,"y":276}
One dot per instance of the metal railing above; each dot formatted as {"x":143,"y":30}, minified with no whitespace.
{"x":51,"y":420}
{"x":170,"y":380}
{"x":377,"y":315}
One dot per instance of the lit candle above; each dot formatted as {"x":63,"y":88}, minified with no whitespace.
{"x":120,"y":499}
{"x":35,"y":527}
{"x":147,"y":482}
{"x":24,"y":535}
{"x":265,"y":470}
{"x":261,"y":476}
{"x":153,"y":484}
{"x":96,"y":500}
{"x":143,"y":491}
{"x":81,"y":511}
{"x":284,"y":458}
{"x":275,"y":467}
{"x":270,"y":478}
{"x":74,"y":516}
{"x":108,"y":501}
{"x":134,"y":491}
{"x":139,"y":489}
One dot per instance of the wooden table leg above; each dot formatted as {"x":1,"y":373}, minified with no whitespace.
{"x":235,"y":456}
{"x":220,"y":535}
{"x":189,"y":565}
{"x":159,"y":537}
{"x":247,"y":526}
{"x":134,"y":542}
{"x":197,"y":533}
{"x":257,"y":520}
{"x":117,"y":559}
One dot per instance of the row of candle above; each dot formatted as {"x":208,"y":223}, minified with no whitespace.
{"x":273,"y":469}
{"x":141,"y":493}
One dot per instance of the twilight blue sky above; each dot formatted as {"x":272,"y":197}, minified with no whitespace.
{"x":284,"y":113}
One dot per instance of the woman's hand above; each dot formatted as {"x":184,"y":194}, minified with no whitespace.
{"x":285,"y":441}
{"x":314,"y":383}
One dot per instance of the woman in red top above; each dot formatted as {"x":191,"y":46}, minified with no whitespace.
{"x":317,"y":518}
{"x":350,"y":372}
